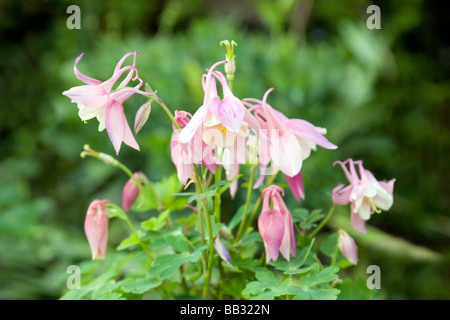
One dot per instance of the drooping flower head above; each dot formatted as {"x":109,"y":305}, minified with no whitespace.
{"x":96,"y":228}
{"x":365,"y":194}
{"x":97,"y":99}
{"x":275,"y":225}
{"x":291,"y":142}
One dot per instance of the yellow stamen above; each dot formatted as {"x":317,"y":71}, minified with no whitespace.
{"x":375,"y":209}
{"x":223,"y":129}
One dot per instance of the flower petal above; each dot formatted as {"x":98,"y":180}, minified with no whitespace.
{"x":306,"y":130}
{"x":81,"y":76}
{"x":115,"y":126}
{"x":271,"y":228}
{"x":230,"y":111}
{"x":357,"y":223}
{"x":196,"y":121}
{"x":296,"y":185}
{"x":88,"y":95}
{"x":286,"y":153}
{"x":341,"y":195}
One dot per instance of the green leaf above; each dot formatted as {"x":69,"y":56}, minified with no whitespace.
{"x":313,"y":293}
{"x":156,"y":223}
{"x":140,"y":285}
{"x":307,"y":289}
{"x":77,"y":294}
{"x":293,"y":266}
{"x":250,"y":239}
{"x":329,"y":246}
{"x":131,"y":241}
{"x":355,"y":290}
{"x":306,"y":218}
{"x":266,"y":280}
{"x":178,"y":241}
{"x":165,"y":266}
{"x":314,"y":277}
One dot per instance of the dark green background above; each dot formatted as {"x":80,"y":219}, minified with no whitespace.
{"x":382,"y":94}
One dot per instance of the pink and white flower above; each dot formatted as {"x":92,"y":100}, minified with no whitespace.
{"x":291,"y":142}
{"x":275,"y":225}
{"x":96,"y":228}
{"x":365,"y":194}
{"x":186,"y":155}
{"x":223,"y":124}
{"x":97,"y":99}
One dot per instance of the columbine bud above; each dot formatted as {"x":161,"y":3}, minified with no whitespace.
{"x":222,"y":251}
{"x":230,"y":66}
{"x":96,"y":228}
{"x":347,"y":246}
{"x":142,"y":116}
{"x":131,"y":190}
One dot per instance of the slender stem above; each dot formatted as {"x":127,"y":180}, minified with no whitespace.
{"x":210,"y":236}
{"x":323,"y":223}
{"x":247,"y":203}
{"x":166,"y":109}
{"x":335,"y":254}
{"x":217,"y":197}
{"x":123,"y":215}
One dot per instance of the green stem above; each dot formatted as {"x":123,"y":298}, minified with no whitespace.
{"x":166,"y":109}
{"x":247,"y":203}
{"x":217,"y":197}
{"x":335,"y":254}
{"x":123,"y":215}
{"x":211,"y":240}
{"x":323,"y":223}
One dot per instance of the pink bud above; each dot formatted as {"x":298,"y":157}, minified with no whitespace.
{"x":131,"y":191}
{"x":142,"y":116}
{"x":96,"y":228}
{"x":347,"y":246}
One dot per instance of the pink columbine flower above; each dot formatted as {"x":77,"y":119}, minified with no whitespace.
{"x":347,"y":246}
{"x":186,"y":155}
{"x":96,"y":228}
{"x":365,"y":193}
{"x":224,"y":125}
{"x":275,"y":225}
{"x":291,"y":142}
{"x":131,"y":190}
{"x":98,"y":99}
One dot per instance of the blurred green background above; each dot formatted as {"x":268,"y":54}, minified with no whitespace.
{"x":382,"y":94}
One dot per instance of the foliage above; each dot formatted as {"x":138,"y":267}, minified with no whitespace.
{"x":382,"y":95}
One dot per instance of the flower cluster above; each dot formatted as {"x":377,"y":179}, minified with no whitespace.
{"x":227,"y":132}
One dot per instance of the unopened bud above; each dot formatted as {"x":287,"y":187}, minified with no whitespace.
{"x":142,"y":116}
{"x":222,"y":251}
{"x":347,"y":246}
{"x":131,"y":190}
